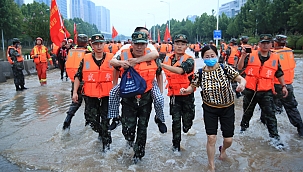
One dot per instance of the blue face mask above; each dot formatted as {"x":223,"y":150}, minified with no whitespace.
{"x":211,"y":61}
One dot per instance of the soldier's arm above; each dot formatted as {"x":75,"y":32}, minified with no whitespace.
{"x":148,"y":57}
{"x":242,"y":64}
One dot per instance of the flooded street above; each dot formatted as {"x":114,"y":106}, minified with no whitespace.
{"x":31,"y":136}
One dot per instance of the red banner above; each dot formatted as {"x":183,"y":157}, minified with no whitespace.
{"x":114,"y":32}
{"x":167,"y":34}
{"x":75,"y":34}
{"x":55,"y":25}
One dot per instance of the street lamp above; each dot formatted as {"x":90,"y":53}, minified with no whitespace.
{"x":256,"y":24}
{"x":168,"y":13}
{"x":154,"y":26}
{"x":217,"y":22}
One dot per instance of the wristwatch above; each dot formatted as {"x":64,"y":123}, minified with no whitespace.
{"x":284,"y":86}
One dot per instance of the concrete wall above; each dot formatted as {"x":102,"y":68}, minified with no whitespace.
{"x":6,"y":71}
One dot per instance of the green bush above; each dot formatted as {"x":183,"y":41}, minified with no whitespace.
{"x":299,"y":44}
{"x":252,"y":40}
{"x":291,"y":43}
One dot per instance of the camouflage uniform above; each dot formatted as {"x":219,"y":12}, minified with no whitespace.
{"x":182,"y":107}
{"x":265,"y":101}
{"x":17,"y":68}
{"x":134,"y":115}
{"x":96,"y":110}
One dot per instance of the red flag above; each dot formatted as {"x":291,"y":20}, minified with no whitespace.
{"x":75,"y":34}
{"x":167,"y":34}
{"x":114,"y":32}
{"x":159,"y":39}
{"x":67,"y":34}
{"x":55,"y":25}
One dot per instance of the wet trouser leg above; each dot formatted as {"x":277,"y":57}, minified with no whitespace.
{"x":290,"y":105}
{"x":96,"y":117}
{"x":132,"y":116}
{"x":18,"y":78}
{"x":158,"y":101}
{"x":249,"y":104}
{"x":114,"y":102}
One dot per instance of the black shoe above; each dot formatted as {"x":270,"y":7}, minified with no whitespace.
{"x":67,"y":122}
{"x":176,"y":147}
{"x":242,"y":129}
{"x":185,"y":130}
{"x":136,"y":159}
{"x":162,"y":127}
{"x":23,"y":88}
{"x":116,"y":122}
{"x":18,"y":88}
{"x":106,"y":147}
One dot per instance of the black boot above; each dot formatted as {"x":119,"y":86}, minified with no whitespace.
{"x":162,"y":127}
{"x":18,"y":88}
{"x":115,"y":123}
{"x":176,"y":146}
{"x":67,"y":121}
{"x":23,"y":88}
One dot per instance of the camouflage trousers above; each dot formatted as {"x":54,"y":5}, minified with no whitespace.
{"x":290,"y":105}
{"x":182,"y":108}
{"x":18,"y":77}
{"x":266,"y":103}
{"x":75,"y":106}
{"x":135,"y":115}
{"x":96,"y":117}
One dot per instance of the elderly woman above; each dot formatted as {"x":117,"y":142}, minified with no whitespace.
{"x":218,"y":100}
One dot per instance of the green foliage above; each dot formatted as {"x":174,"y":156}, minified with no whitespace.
{"x":299,"y":44}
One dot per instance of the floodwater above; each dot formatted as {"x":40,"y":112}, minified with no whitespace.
{"x":31,"y":137}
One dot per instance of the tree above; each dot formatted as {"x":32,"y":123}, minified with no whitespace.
{"x":36,"y":21}
{"x":10,"y":19}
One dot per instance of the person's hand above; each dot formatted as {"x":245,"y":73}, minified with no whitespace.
{"x":243,"y":52}
{"x":133,"y":61}
{"x":284,"y":91}
{"x":125,"y":64}
{"x":240,"y":88}
{"x":36,"y":56}
{"x":75,"y":97}
{"x":183,"y":91}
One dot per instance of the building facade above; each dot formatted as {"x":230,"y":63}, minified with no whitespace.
{"x":232,"y":8}
{"x":62,"y":5}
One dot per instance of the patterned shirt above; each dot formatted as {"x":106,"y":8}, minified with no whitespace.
{"x":216,"y":86}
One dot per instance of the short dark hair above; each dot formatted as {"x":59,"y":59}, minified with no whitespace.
{"x":209,"y":47}
{"x":139,"y":28}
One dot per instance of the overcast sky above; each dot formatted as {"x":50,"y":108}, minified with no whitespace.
{"x":125,"y":15}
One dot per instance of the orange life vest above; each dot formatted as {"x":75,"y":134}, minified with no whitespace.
{"x":73,"y":60}
{"x":55,"y":48}
{"x":115,"y":48}
{"x":42,"y":54}
{"x":224,"y":47}
{"x":19,"y":59}
{"x":106,"y":48}
{"x":288,"y":64}
{"x":170,"y":48}
{"x":163,"y":48}
{"x":176,"y":81}
{"x":147,"y":70}
{"x":233,"y":53}
{"x":261,"y":78}
{"x":97,"y":81}
{"x":197,"y":48}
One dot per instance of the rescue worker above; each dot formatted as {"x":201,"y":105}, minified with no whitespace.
{"x":232,"y":56}
{"x":288,"y":64}
{"x":261,"y":67}
{"x":115,"y":47}
{"x":162,"y":49}
{"x":136,"y":110}
{"x":61,"y":58}
{"x":54,"y":50}
{"x":244,"y":44}
{"x":40,"y":55}
{"x":96,"y":73}
{"x":156,"y":91}
{"x":223,"y":48}
{"x":197,"y":49}
{"x":15,"y":58}
{"x":72,"y":63}
{"x":178,"y":68}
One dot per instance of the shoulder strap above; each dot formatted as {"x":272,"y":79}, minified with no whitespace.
{"x":200,"y":74}
{"x":223,"y":67}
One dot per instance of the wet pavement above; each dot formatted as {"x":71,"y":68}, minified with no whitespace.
{"x":31,"y":136}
